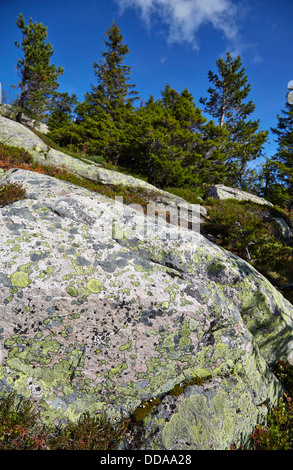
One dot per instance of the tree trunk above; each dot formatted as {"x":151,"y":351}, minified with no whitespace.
{"x":19,"y":116}
{"x":223,"y":109}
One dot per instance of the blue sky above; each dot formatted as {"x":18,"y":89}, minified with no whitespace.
{"x":170,"y":41}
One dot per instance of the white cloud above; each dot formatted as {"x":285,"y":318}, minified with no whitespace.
{"x":185,"y":17}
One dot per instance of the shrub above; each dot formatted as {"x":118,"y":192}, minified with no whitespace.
{"x":18,"y":425}
{"x":248,"y":230}
{"x":189,"y":195}
{"x":239,"y":224}
{"x":89,"y":433}
{"x":12,"y":157}
{"x":11,"y":192}
{"x":20,"y":429}
{"x":277,"y":434}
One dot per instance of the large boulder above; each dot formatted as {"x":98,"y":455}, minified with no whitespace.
{"x":219,"y":191}
{"x":105,"y":308}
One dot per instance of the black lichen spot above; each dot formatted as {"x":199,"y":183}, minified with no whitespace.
{"x":148,"y":315}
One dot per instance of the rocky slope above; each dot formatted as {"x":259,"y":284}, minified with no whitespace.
{"x":105,"y":308}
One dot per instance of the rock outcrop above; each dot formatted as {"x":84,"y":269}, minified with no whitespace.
{"x":10,"y":112}
{"x":219,"y":191}
{"x":20,"y":136}
{"x":105,"y":308}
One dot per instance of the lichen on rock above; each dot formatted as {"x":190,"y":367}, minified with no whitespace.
{"x":94,"y":321}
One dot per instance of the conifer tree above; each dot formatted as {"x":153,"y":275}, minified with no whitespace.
{"x":104,"y":114}
{"x":62,"y":109}
{"x":38,"y":75}
{"x":227,"y":103}
{"x":114,"y":91}
{"x":279,"y":170}
{"x":167,"y":140}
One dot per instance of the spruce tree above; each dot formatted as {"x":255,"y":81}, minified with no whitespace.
{"x":167,"y":139}
{"x":114,"y":91}
{"x":38,"y":75}
{"x":103,"y":116}
{"x":228,"y":104}
{"x":279,"y":169}
{"x":62,"y":109}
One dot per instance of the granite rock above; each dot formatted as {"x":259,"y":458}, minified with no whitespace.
{"x":105,"y":308}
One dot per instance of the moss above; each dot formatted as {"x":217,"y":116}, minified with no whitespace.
{"x":196,"y":380}
{"x":146,"y":407}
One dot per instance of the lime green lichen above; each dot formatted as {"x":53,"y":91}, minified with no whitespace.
{"x":116,"y":371}
{"x":193,"y":324}
{"x":126,"y":347}
{"x":20,"y":279}
{"x":72,"y":291}
{"x":165,"y":304}
{"x":16,"y":248}
{"x":125,"y":291}
{"x":39,"y":351}
{"x":95,"y":286}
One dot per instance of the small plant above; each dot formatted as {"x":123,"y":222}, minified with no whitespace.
{"x":249,"y":231}
{"x":11,"y":192}
{"x":20,"y":429}
{"x":277,"y":434}
{"x":11,"y":157}
{"x":18,"y":425}
{"x":89,"y":433}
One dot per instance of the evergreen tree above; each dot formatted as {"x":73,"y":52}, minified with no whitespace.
{"x":103,"y":116}
{"x":227,"y":104}
{"x":226,"y":101}
{"x":168,"y":139}
{"x":38,"y":75}
{"x":114,"y":91}
{"x":278,"y":171}
{"x":62,"y":110}
{"x":61,"y":121}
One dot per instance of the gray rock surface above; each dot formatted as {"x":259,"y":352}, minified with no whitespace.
{"x":104,"y":308}
{"x":285,"y":231}
{"x":219,"y":191}
{"x":18,"y":135}
{"x":10,"y":112}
